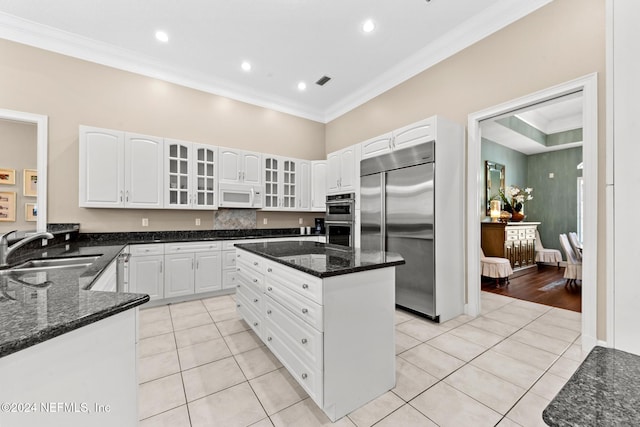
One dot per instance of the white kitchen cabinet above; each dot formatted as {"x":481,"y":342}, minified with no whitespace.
{"x":304,"y":190}
{"x":179,"y":275}
{"x":311,"y":324}
{"x":146,"y":270}
{"x":119,"y":169}
{"x":229,"y":264}
{"x":406,"y":136}
{"x":208,"y":271}
{"x":343,"y":171}
{"x":190,"y":175}
{"x":284,"y":181}
{"x":318,"y":185}
{"x":240,"y":167}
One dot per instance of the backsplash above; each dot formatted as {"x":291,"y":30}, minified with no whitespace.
{"x":234,"y":219}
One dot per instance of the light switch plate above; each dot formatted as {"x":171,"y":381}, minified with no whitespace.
{"x":197,"y":221}
{"x":145,"y":222}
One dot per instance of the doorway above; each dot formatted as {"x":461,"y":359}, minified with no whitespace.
{"x":475,"y":185}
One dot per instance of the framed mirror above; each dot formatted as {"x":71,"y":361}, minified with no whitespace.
{"x":28,"y":160}
{"x":493,"y":181}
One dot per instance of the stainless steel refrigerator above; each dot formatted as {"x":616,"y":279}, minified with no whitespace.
{"x":397,"y":215}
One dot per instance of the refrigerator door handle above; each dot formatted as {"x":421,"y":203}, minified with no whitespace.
{"x":383,"y":211}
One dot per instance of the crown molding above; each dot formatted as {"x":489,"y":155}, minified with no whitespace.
{"x":44,"y":37}
{"x":473,"y":30}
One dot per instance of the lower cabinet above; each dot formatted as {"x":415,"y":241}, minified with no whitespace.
{"x":335,"y":335}
{"x":192,"y":267}
{"x":146,"y":270}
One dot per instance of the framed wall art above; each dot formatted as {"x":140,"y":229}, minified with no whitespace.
{"x":30,"y":183}
{"x":7,"y":176}
{"x":7,"y":206}
{"x":30,"y":212}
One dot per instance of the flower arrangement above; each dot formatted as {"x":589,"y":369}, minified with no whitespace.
{"x":518,"y":197}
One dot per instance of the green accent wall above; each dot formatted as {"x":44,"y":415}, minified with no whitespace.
{"x":555,"y":200}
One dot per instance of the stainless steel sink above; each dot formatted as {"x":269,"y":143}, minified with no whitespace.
{"x":54,"y":263}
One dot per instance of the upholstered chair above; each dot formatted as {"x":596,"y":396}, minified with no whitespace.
{"x":576,"y":245}
{"x":573,"y":271}
{"x":495,"y":267}
{"x":546,"y":255}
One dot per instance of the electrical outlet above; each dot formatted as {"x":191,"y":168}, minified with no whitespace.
{"x":264,"y":221}
{"x":300,"y":221}
{"x":551,"y":175}
{"x":197,"y":221}
{"x":145,"y":222}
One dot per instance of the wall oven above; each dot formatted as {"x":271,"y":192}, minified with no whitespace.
{"x":340,"y":219}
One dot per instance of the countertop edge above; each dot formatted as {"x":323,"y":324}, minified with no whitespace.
{"x":52,"y":332}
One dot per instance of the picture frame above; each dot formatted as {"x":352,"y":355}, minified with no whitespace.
{"x":30,"y":183}
{"x":7,"y":206}
{"x":30,"y":212}
{"x":7,"y":176}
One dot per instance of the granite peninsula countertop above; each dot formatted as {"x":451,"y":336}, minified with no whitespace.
{"x":323,"y":260}
{"x":38,"y":306}
{"x":604,"y":391}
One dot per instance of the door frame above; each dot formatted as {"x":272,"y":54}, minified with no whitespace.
{"x":589,"y":86}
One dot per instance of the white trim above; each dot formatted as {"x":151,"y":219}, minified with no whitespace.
{"x":477,"y":28}
{"x":589,"y":86}
{"x":609,"y":177}
{"x":480,"y":26}
{"x":42,"y":132}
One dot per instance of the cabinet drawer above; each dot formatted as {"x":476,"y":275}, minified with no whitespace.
{"x":309,"y":378}
{"x":302,"y":338}
{"x":229,"y":279}
{"x":303,"y":308}
{"x":249,"y":276}
{"x":228,"y":245}
{"x":151,"y":249}
{"x":301,"y":283}
{"x":253,"y":319}
{"x":254,"y":262}
{"x":254,"y":297}
{"x":229,"y":259}
{"x":175,"y":248}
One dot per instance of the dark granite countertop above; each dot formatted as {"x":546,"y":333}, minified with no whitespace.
{"x":604,"y":391}
{"x":323,"y":260}
{"x":37,"y":306}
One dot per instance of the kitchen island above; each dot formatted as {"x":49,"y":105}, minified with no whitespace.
{"x":327,"y":313}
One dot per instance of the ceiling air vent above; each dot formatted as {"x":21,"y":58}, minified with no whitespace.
{"x":323,"y":80}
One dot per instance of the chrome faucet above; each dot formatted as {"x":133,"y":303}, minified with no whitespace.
{"x":6,"y":250}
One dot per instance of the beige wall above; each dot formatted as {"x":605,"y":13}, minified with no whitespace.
{"x":18,"y":149}
{"x":559,"y":42}
{"x":73,"y":92}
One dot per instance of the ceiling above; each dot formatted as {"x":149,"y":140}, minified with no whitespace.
{"x":286,"y":42}
{"x":550,"y":117}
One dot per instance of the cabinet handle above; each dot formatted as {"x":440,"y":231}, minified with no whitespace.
{"x":269,"y":288}
{"x":255,"y":280}
{"x":255,"y":300}
{"x":303,"y":340}
{"x":305,"y":286}
{"x":268,"y":311}
{"x":269,"y":338}
{"x":304,"y":376}
{"x":160,"y":267}
{"x":238,"y":305}
{"x":238,"y":269}
{"x":126,"y":196}
{"x":269,"y":270}
{"x":255,"y":263}
{"x":305,"y":311}
{"x":198,"y":265}
{"x":255,"y":323}
{"x":238,"y":285}
{"x":121,"y":195}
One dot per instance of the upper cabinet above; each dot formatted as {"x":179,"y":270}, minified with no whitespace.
{"x":407,"y":136}
{"x":285,"y":180}
{"x":190,"y":175}
{"x":240,"y":167}
{"x":119,"y":169}
{"x":318,"y":185}
{"x":343,"y":170}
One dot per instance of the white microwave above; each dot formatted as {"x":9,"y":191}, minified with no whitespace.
{"x":240,"y":196}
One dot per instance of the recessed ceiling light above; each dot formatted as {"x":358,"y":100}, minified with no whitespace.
{"x":368,"y":26}
{"x":246,"y":65}
{"x":302,"y":86}
{"x":162,"y":36}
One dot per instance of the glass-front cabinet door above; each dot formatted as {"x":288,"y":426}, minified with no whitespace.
{"x":178,"y":174}
{"x":205,"y":178}
{"x":271,"y":182}
{"x":289,"y":184}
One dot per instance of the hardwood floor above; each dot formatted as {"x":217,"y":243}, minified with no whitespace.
{"x":544,"y":286}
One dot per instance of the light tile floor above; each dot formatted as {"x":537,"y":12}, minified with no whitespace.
{"x":200,"y":365}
